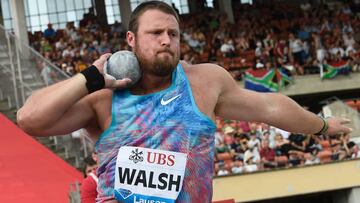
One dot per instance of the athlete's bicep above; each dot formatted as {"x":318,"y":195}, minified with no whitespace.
{"x":237,"y":103}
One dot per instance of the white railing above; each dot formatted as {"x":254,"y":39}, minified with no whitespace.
{"x":26,"y":70}
{"x":74,"y":193}
{"x":22,"y":57}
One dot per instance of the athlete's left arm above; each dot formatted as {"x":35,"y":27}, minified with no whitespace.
{"x":275,"y":109}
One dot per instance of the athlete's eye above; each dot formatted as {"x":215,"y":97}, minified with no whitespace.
{"x":174,"y":34}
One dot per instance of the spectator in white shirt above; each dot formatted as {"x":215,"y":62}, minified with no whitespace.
{"x":222,"y":171}
{"x":228,"y":48}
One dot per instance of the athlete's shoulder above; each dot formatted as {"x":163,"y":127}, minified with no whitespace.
{"x":207,"y":76}
{"x":208,"y":72}
{"x":209,"y":69}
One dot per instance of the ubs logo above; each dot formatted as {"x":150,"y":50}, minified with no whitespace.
{"x":136,"y":156}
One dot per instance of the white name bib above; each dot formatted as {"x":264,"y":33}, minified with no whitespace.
{"x":145,"y":175}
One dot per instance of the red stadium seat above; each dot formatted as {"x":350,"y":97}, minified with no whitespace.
{"x":204,"y":57}
{"x":227,"y":63}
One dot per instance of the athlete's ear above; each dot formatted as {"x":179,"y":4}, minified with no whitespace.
{"x":130,"y":36}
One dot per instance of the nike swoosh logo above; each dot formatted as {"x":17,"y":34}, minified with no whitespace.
{"x":165,"y":102}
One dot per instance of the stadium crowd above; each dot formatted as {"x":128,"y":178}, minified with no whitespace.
{"x":299,"y":38}
{"x":243,"y":147}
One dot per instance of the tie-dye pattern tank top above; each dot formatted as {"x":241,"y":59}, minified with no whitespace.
{"x":165,"y":120}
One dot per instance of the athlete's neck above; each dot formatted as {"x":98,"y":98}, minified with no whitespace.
{"x":150,"y":83}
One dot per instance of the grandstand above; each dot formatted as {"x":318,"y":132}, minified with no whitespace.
{"x":308,"y":50}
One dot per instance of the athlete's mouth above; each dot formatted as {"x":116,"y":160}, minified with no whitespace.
{"x":165,"y":51}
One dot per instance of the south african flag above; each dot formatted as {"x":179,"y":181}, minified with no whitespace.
{"x":262,"y":80}
{"x":339,"y":68}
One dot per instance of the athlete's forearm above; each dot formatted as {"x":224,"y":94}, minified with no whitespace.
{"x":46,"y":106}
{"x":285,"y":113}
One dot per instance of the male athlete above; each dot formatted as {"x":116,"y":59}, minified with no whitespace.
{"x":155,"y":140}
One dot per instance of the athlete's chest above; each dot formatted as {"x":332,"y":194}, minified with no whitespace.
{"x":202,"y":93}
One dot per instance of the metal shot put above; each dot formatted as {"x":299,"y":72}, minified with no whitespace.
{"x":123,"y":64}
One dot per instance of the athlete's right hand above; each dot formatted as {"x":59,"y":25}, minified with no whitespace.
{"x":110,"y":81}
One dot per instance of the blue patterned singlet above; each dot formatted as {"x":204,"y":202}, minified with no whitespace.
{"x":175,"y":124}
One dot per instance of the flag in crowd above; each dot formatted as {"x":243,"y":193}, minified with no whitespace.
{"x":263,"y":80}
{"x":331,"y":70}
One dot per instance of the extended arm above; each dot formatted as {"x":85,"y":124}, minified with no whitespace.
{"x":272,"y":108}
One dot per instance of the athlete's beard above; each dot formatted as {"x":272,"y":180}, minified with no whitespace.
{"x":159,"y":66}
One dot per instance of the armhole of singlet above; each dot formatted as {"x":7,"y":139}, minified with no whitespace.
{"x":107,"y":131}
{"x":193,"y":103}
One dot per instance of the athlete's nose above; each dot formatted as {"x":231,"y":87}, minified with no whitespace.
{"x":165,"y":39}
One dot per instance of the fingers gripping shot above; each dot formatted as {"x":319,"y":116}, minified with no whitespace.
{"x":155,"y":135}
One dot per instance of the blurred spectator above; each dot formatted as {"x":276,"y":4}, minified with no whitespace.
{"x":227,"y":48}
{"x":282,"y":145}
{"x":267,"y":155}
{"x":237,"y":168}
{"x":347,"y":27}
{"x":222,"y":171}
{"x":311,"y":158}
{"x":254,"y":142}
{"x":222,"y":148}
{"x":305,"y":6}
{"x":269,"y":44}
{"x":219,"y":138}
{"x":88,"y":192}
{"x":349,"y":41}
{"x":296,"y":52}
{"x":343,"y":148}
{"x":68,"y":52}
{"x":47,"y":74}
{"x":251,"y":159}
{"x":281,"y":50}
{"x":89,"y":16}
{"x":229,"y":133}
{"x":337,"y":50}
{"x":259,"y":64}
{"x":45,"y":46}
{"x":297,"y":149}
{"x":242,"y":43}
{"x":117,"y":28}
{"x":239,"y":146}
{"x":283,"y":133}
{"x":61,"y":44}
{"x":244,"y":126}
{"x":258,"y":49}
{"x":191,"y":41}
{"x":49,"y":33}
